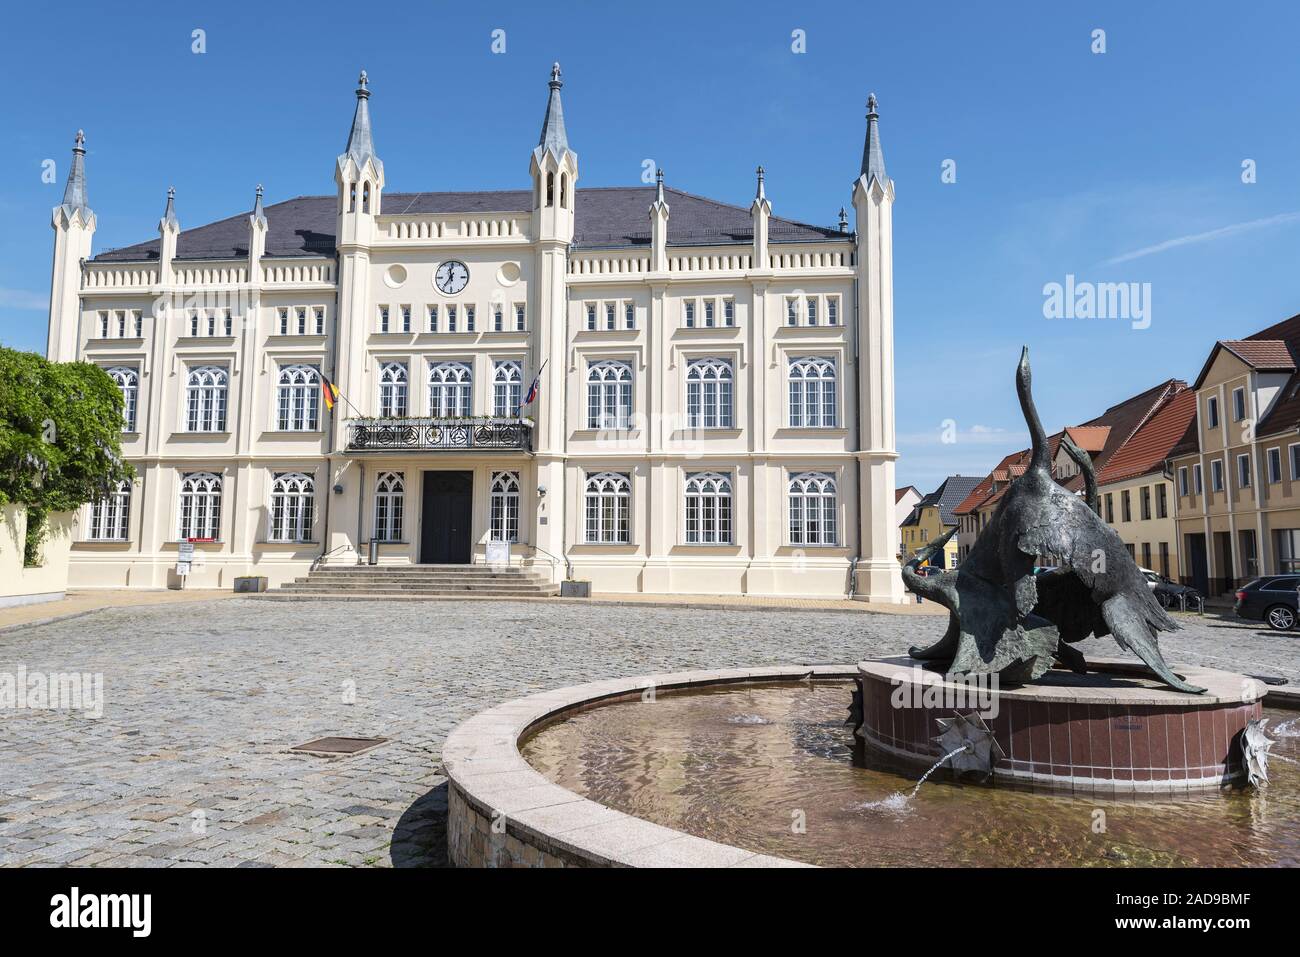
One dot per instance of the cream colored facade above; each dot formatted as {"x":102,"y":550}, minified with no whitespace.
{"x":1234,"y":530}
{"x":1141,"y":510}
{"x":47,"y":581}
{"x":525,"y":262}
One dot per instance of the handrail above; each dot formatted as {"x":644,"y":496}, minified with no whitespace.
{"x":568,"y":565}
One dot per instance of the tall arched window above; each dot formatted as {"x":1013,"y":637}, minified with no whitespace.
{"x":298,"y":399}
{"x":608,"y":503}
{"x":708,"y":509}
{"x":205,"y":402}
{"x":450,"y":385}
{"x":813,"y":509}
{"x":392,"y":390}
{"x":709,"y":394}
{"x":110,"y":516}
{"x":129,"y":384}
{"x":390,"y":498}
{"x":564,"y":190}
{"x":293,"y":507}
{"x":609,"y":395}
{"x":503,"y":507}
{"x":352,"y":198}
{"x":812,"y":393}
{"x":507,"y":388}
{"x":550,"y":189}
{"x":365,"y":196}
{"x":200,"y":514}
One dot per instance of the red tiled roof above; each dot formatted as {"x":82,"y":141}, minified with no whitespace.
{"x":1147,"y":450}
{"x":1090,"y":438}
{"x":900,"y":492}
{"x":1261,"y":353}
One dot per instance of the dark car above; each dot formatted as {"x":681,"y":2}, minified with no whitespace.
{"x":1271,"y":600}
{"x":1170,"y":594}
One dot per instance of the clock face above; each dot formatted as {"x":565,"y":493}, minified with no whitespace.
{"x":451,"y":277}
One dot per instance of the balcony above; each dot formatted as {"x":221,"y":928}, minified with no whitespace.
{"x":439,"y":435}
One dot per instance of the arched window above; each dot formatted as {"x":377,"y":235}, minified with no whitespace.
{"x":200,"y":507}
{"x":392,"y":390}
{"x":813,"y":509}
{"x":352,"y":198}
{"x":507,"y":388}
{"x":609,"y":395}
{"x":609,"y":496}
{"x":109,"y":517}
{"x":293,"y":507}
{"x":503,"y":512}
{"x":550,"y":189}
{"x":365,"y":196}
{"x":564,"y":190}
{"x":708,"y":509}
{"x":129,"y":383}
{"x":390,"y":497}
{"x":709,"y":394}
{"x":450,"y":384}
{"x":206,"y":399}
{"x":298,"y":399}
{"x":812,"y":393}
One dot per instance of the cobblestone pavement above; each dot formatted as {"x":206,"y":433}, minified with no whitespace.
{"x":188,"y":764}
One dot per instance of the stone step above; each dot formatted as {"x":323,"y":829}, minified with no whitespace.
{"x":412,"y":582}
{"x":309,"y":592}
{"x":426,"y":569}
{"x":424,"y":573}
{"x":522,"y":587}
{"x":407,"y":596}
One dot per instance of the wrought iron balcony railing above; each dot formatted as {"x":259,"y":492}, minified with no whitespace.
{"x":439,"y":435}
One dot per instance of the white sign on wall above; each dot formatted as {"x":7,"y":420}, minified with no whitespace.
{"x":498,"y":553}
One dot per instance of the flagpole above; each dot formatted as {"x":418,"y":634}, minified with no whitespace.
{"x":537,"y":381}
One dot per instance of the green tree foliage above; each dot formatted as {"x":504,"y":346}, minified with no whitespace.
{"x":60,"y":435}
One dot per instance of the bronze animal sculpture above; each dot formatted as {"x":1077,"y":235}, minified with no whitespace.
{"x":1006,"y":620}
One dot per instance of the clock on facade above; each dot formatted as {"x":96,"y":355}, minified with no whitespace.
{"x":451,"y":277}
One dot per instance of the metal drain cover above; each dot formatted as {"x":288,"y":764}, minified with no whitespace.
{"x":332,"y":746}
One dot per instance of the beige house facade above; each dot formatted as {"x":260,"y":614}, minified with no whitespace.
{"x":635,"y":386}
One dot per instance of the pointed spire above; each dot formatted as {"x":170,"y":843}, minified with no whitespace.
{"x":761,"y":194}
{"x":259,"y":214}
{"x":361,"y":141}
{"x":844,"y":220}
{"x":169,"y":214}
{"x":554,"y":139}
{"x":659,"y":186}
{"x":873,"y":159}
{"x":74,"y":194}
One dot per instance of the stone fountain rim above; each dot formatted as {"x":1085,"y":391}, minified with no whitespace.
{"x":486,"y":771}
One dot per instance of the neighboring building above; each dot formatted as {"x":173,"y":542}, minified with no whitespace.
{"x":1135,"y":493}
{"x":933,"y":516}
{"x":1236,"y":471}
{"x":714,"y":406}
{"x":1104,"y":438}
{"x":905,"y":500}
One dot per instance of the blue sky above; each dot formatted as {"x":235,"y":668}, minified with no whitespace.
{"x":1122,"y":166}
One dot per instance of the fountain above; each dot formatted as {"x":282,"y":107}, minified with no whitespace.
{"x":1076,"y":761}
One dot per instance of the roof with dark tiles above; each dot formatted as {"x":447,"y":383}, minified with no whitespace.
{"x":607,"y":216}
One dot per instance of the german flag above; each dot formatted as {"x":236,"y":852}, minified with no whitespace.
{"x":329,"y":391}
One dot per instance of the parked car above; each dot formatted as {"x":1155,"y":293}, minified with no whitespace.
{"x":1169,"y":593}
{"x":1271,"y":600}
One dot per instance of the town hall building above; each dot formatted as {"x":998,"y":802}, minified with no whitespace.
{"x":635,"y":386}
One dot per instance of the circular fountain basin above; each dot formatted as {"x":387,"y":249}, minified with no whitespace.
{"x":1113,"y":731}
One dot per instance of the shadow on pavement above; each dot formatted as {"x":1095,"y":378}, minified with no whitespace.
{"x":420,"y":835}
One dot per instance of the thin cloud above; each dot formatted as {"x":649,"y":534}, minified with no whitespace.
{"x":22,"y":299}
{"x":1221,"y":233}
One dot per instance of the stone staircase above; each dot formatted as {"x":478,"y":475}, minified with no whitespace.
{"x":414,"y":582}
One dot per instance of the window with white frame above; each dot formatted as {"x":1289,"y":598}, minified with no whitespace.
{"x":128,"y":383}
{"x":611,"y":316}
{"x":110,"y":515}
{"x":832,"y":310}
{"x":383,"y":319}
{"x":709,"y":394}
{"x":451,"y":318}
{"x":609,"y":395}
{"x":520,"y":317}
{"x":1198,"y":484}
{"x":298,"y":399}
{"x":1212,"y":412}
{"x":688,"y":313}
{"x":205,"y":399}
{"x":282,"y":316}
{"x":728,"y":312}
{"x":1183,"y":487}
{"x":200,"y":507}
{"x":293,"y":505}
{"x":629,"y":316}
{"x":433,"y":318}
{"x":811,"y":307}
{"x":591,"y":317}
{"x":1238,"y":404}
{"x":498,"y":318}
{"x":1243,"y":471}
{"x":813,"y":509}
{"x":1294,"y":452}
{"x":392,"y":390}
{"x":319,"y":314}
{"x":503,"y":507}
{"x":469,"y":318}
{"x":710,"y":313}
{"x":1216,"y":476}
{"x":507,"y":388}
{"x":450,"y":385}
{"x":792,"y":311}
{"x":608,"y":509}
{"x":812,"y":392}
{"x":390,"y":501}
{"x":101,"y":325}
{"x":1274,"y":466}
{"x":210,"y":324}
{"x":708,"y":509}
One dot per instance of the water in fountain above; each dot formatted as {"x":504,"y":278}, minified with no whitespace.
{"x":897,"y":803}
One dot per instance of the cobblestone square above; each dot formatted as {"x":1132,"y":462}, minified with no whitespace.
{"x":190,"y":764}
